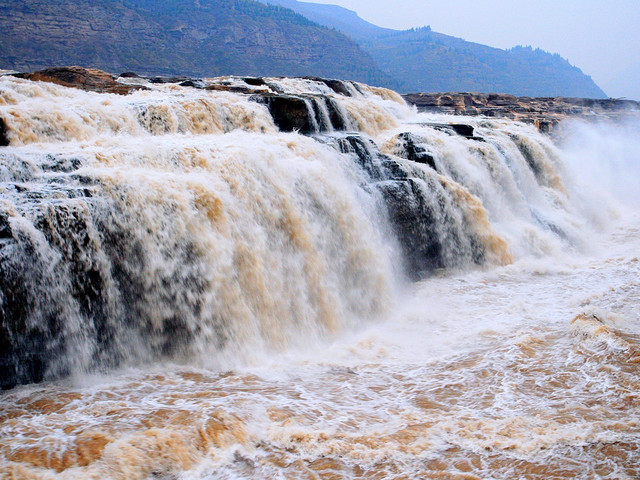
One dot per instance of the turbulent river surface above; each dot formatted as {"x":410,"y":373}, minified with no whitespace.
{"x":311,"y":280}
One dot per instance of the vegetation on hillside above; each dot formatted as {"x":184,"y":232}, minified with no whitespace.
{"x":246,"y":37}
{"x":421,"y":60}
{"x":169,"y":37}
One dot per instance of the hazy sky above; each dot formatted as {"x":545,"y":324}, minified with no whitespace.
{"x":600,"y":37}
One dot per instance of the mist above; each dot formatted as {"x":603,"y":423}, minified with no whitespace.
{"x":605,"y":158}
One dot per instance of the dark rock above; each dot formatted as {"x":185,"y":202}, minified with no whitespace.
{"x":408,"y":147}
{"x":290,"y":113}
{"x":193,"y":84}
{"x":168,"y":79}
{"x":73,"y":276}
{"x":130,"y":75}
{"x":229,"y":88}
{"x":335,"y":115}
{"x":378,"y":166}
{"x":366,"y":154}
{"x":60,"y":163}
{"x":544,"y":126}
{"x":413,"y":221}
{"x":33,"y":339}
{"x":337,"y":86}
{"x":303,"y":113}
{"x":457,"y":128}
{"x":89,"y":79}
{"x":331,"y":118}
{"x":4,"y":134}
{"x":462,"y":130}
{"x":254,"y":81}
{"x":5,"y":228}
{"x":431,"y":228}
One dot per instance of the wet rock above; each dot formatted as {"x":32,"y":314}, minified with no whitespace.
{"x":335,"y":115}
{"x":408,"y":147}
{"x":34,"y":312}
{"x":193,"y":84}
{"x":72,"y":277}
{"x":88,"y":79}
{"x":414,"y":223}
{"x":378,"y":166}
{"x":60,"y":163}
{"x":338,"y":86}
{"x":432,"y":230}
{"x":5,"y":228}
{"x":130,"y":75}
{"x":254,"y":81}
{"x":364,"y":152}
{"x":303,"y":113}
{"x":290,"y":113}
{"x":544,"y":126}
{"x":168,"y":79}
{"x":4,"y":134}
{"x":229,"y":88}
{"x":461,"y":129}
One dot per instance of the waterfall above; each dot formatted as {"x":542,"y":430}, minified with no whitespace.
{"x":197,"y":224}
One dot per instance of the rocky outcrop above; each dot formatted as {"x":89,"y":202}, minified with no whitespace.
{"x":544,"y":112}
{"x":303,"y":113}
{"x":338,"y":86}
{"x":65,"y":276}
{"x":88,"y":79}
{"x":408,"y":147}
{"x":290,"y":113}
{"x":31,"y":323}
{"x":414,"y":200}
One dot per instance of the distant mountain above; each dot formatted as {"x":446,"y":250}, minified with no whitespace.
{"x":246,"y":37}
{"x":333,"y":16}
{"x":425,"y":61}
{"x":169,"y":37}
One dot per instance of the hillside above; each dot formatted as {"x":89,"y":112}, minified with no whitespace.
{"x":333,"y":16}
{"x":165,"y":37}
{"x":425,"y":61}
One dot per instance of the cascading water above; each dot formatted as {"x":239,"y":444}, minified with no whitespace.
{"x":208,"y":230}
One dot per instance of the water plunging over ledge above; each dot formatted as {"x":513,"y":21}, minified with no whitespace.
{"x":220,"y":282}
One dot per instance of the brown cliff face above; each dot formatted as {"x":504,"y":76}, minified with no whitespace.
{"x":544,"y":112}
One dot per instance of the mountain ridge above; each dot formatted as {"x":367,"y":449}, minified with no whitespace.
{"x":192,"y":37}
{"x":427,"y":61}
{"x":270,"y":38}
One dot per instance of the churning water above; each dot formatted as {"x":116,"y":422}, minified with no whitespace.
{"x":189,"y":292}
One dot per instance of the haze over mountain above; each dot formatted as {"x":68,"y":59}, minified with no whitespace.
{"x":427,"y":61}
{"x":246,"y":37}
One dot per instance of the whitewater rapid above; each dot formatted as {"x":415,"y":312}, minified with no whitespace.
{"x":198,"y":294}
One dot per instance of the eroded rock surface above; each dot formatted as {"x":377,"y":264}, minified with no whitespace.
{"x":544,"y":112}
{"x":89,"y":79}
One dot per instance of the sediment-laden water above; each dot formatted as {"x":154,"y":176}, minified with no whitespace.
{"x":311,"y":280}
